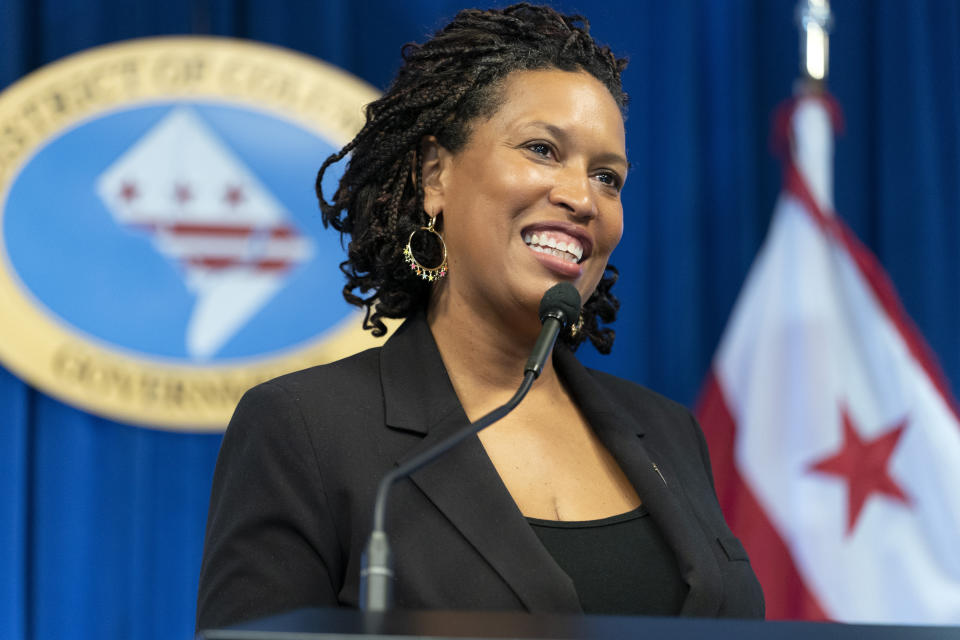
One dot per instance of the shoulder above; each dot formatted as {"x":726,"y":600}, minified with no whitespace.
{"x":360,"y":368}
{"x":640,"y":398}
{"x":340,"y":386}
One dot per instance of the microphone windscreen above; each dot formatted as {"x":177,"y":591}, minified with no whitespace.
{"x":562,"y":297}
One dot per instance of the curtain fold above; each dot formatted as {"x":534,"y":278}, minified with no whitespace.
{"x":15,"y":498}
{"x":101,"y":524}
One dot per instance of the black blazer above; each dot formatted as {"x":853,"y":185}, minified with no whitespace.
{"x":299,"y":465}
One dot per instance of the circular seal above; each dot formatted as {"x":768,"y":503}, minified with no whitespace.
{"x":160,"y":245}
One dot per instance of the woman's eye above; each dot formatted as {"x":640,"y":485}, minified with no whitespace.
{"x":540,"y":148}
{"x":609,"y":178}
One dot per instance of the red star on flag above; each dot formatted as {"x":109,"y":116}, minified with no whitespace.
{"x":864,"y":465}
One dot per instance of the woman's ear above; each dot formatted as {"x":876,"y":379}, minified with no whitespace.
{"x":435,"y":160}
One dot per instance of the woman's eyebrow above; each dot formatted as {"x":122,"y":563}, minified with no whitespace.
{"x":562,"y":136}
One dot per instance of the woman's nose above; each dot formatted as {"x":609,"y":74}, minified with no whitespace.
{"x":574,"y":192}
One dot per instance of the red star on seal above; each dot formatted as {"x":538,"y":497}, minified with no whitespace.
{"x":182,"y":193}
{"x":129,"y":191}
{"x":863,"y":464}
{"x":234,"y":195}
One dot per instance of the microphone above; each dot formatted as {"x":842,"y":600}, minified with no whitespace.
{"x":559,"y":306}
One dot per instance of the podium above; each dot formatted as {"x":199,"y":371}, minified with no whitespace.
{"x":331,"y":624}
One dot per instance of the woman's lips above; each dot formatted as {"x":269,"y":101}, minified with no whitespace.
{"x":559,"y":246}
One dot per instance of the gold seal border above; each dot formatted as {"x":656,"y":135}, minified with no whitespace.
{"x":104,"y":379}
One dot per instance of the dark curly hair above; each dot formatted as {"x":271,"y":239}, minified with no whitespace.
{"x":443,"y":86}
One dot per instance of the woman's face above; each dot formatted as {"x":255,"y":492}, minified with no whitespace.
{"x":533,"y":198}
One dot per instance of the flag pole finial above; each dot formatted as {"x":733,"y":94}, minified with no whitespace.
{"x":814,"y":21}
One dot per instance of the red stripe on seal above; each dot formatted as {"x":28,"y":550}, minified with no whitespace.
{"x":229,"y":230}
{"x":221,"y":230}
{"x":218,"y":263}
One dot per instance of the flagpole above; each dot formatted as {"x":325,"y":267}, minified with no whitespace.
{"x":815,"y":21}
{"x":811,"y":151}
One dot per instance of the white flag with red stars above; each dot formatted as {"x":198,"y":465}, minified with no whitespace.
{"x":834,"y":438}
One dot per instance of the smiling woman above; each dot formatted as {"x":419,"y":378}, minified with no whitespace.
{"x":490,"y":171}
{"x":549,"y":163}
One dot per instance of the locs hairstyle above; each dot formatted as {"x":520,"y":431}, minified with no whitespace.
{"x":442,"y":87}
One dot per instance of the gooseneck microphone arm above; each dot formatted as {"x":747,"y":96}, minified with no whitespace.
{"x":559,"y":306}
{"x":376,"y":574}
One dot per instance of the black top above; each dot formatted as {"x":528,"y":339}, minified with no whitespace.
{"x":619,"y":565}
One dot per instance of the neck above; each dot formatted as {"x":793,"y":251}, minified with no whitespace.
{"x":484,"y":353}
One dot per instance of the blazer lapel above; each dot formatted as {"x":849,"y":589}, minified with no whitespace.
{"x":621,"y":430}
{"x":463,"y":483}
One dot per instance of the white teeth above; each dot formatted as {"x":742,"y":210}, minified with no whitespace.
{"x":545,"y":243}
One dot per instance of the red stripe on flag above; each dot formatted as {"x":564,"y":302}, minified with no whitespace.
{"x":877,"y":279}
{"x":787,"y":597}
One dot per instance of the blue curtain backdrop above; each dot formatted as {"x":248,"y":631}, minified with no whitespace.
{"x":101,"y":523}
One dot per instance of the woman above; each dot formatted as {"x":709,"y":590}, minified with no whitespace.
{"x":490,"y":171}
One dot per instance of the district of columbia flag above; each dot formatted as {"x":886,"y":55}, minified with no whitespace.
{"x":834,"y":438}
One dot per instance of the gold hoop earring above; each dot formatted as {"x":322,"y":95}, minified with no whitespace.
{"x":427,"y":273}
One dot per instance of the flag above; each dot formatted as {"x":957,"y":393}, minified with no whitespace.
{"x":834,"y":438}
